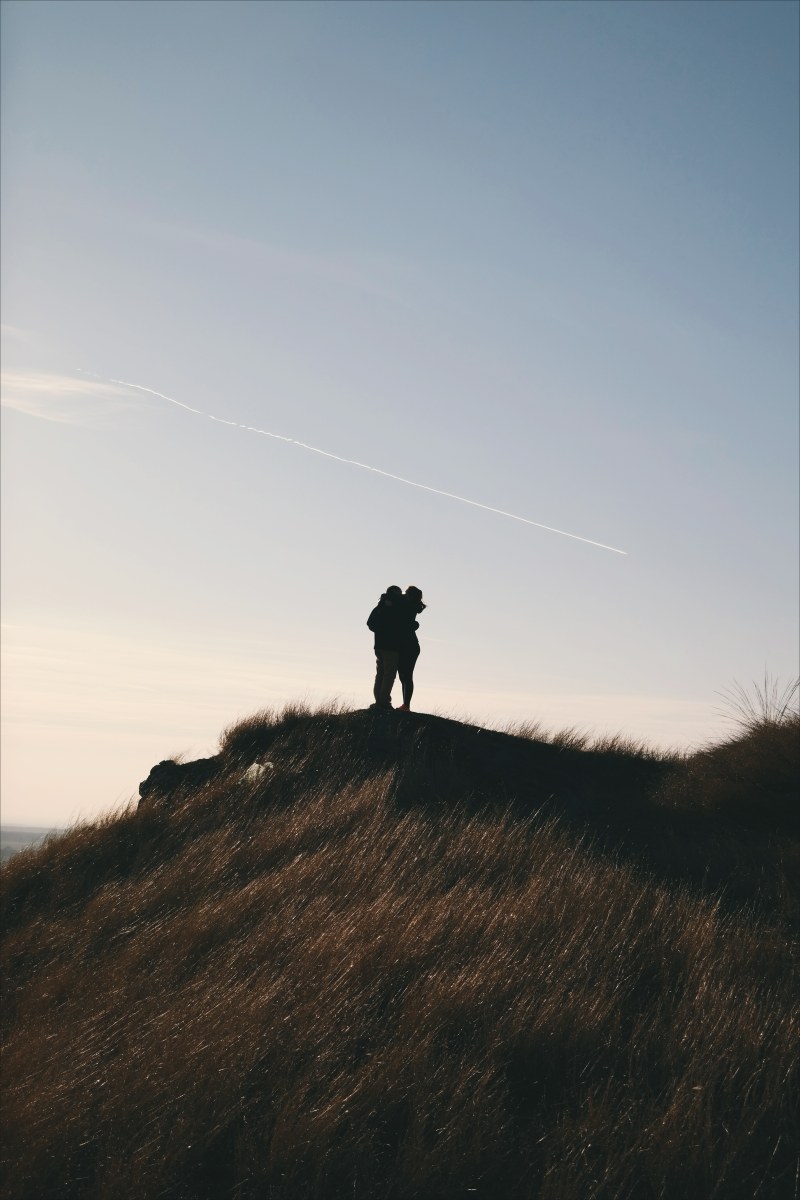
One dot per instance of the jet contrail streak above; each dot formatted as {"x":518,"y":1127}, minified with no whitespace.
{"x":351,"y":462}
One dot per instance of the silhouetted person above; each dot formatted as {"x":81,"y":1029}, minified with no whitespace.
{"x":388,"y":621}
{"x":409,"y":648}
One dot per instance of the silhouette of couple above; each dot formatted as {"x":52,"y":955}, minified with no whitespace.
{"x":393,"y":621}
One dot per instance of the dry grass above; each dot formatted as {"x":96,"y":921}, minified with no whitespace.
{"x":769,"y":703}
{"x":411,"y":959}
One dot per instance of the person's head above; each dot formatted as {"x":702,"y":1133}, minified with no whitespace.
{"x":414,"y":595}
{"x":393,"y":593}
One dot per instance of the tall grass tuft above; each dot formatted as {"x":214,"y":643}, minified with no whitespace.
{"x":762,"y":704}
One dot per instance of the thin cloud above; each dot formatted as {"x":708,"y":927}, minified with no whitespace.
{"x":351,"y":462}
{"x":377,"y":276}
{"x":12,"y":333}
{"x":64,"y":399}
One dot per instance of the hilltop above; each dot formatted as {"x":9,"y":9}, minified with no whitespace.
{"x":399,"y":956}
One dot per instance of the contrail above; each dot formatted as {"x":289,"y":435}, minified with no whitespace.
{"x":351,"y":462}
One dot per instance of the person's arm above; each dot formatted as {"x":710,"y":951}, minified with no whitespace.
{"x":374,"y":618}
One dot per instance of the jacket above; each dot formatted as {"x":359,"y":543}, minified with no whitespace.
{"x":389,"y":622}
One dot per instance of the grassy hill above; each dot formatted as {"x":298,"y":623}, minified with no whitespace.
{"x":358,"y":956}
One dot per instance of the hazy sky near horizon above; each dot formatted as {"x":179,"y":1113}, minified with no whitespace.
{"x":543,"y":256}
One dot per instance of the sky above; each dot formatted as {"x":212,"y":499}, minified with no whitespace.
{"x":540,"y":256}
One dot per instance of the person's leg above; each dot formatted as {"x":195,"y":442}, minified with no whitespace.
{"x":389,"y":659}
{"x":376,"y":690}
{"x":406,"y":669}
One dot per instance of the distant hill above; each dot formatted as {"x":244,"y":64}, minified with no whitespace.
{"x":18,"y":837}
{"x":358,"y":956}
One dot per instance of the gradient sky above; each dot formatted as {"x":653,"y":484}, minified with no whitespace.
{"x":540,"y":255}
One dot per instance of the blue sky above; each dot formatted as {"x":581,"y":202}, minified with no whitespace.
{"x":540,"y":255}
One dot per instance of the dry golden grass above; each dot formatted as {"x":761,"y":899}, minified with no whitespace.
{"x":417,"y":960}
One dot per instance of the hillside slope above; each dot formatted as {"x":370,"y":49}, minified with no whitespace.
{"x":359,"y":956}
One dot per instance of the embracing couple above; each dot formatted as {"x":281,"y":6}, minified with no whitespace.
{"x":394,"y":622}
